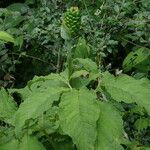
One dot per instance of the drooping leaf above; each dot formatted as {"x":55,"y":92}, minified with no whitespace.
{"x":13,"y":145}
{"x":78,"y":115}
{"x":77,"y":74}
{"x":30,"y":143}
{"x":85,"y":64}
{"x":109,"y":128}
{"x":54,"y":80}
{"x":127,"y":89}
{"x":4,"y":36}
{"x":7,"y":105}
{"x":27,"y":143}
{"x":13,"y":21}
{"x":82,"y":78}
{"x":34,"y":106}
{"x":19,"y":7}
{"x":138,"y":59}
{"x":82,"y":49}
{"x":24,"y":93}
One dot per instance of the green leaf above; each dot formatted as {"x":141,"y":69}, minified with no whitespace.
{"x":34,"y":106}
{"x":82,"y":49}
{"x":139,"y":59}
{"x":127,"y":89}
{"x":142,"y":124}
{"x":56,"y":80}
{"x":20,"y":7}
{"x":13,"y":145}
{"x":65,"y":32}
{"x":30,"y":2}
{"x":109,"y":128}
{"x":19,"y":41}
{"x":24,"y":93}
{"x":27,"y":143}
{"x":13,"y":20}
{"x":78,"y":115}
{"x":85,"y":64}
{"x":7,"y":105}
{"x":30,"y":143}
{"x":77,"y":74}
{"x":82,"y":78}
{"x":4,"y":36}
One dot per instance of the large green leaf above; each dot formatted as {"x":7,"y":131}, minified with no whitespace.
{"x":27,"y":143}
{"x":30,"y":143}
{"x":20,"y":7}
{"x":109,"y":128}
{"x":42,"y":84}
{"x":85,"y":64}
{"x":78,"y":114}
{"x":139,"y":59}
{"x":24,"y":93}
{"x":13,"y":21}
{"x":53,"y":80}
{"x":35,"y":105}
{"x":4,"y":36}
{"x":7,"y":105}
{"x":13,"y":145}
{"x":127,"y":89}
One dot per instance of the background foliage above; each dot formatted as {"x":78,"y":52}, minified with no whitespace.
{"x":111,"y":28}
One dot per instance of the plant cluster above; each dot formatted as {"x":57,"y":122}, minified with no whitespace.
{"x":83,"y":104}
{"x":79,"y":108}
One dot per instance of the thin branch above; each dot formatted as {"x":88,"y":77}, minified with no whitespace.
{"x":134,"y":43}
{"x":58,"y":61}
{"x":25,"y":55}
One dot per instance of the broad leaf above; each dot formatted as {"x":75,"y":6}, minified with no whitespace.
{"x":127,"y":89}
{"x":27,"y":143}
{"x":138,"y":59}
{"x":109,"y":128}
{"x":4,"y":36}
{"x":79,"y":73}
{"x":35,"y":105}
{"x":30,"y":143}
{"x":53,"y":80}
{"x":85,"y":64}
{"x":20,"y":7}
{"x":13,"y":21}
{"x":7,"y":105}
{"x":12,"y":145}
{"x":78,"y":114}
{"x":24,"y":93}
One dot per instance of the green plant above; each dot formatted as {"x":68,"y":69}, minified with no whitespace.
{"x":7,"y":63}
{"x":83,"y":106}
{"x":75,"y":111}
{"x":38,"y":30}
{"x":138,"y":60}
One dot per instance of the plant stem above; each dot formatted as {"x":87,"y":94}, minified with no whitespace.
{"x":25,"y":55}
{"x":58,"y":62}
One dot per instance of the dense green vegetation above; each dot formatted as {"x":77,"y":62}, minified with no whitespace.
{"x":74,"y":75}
